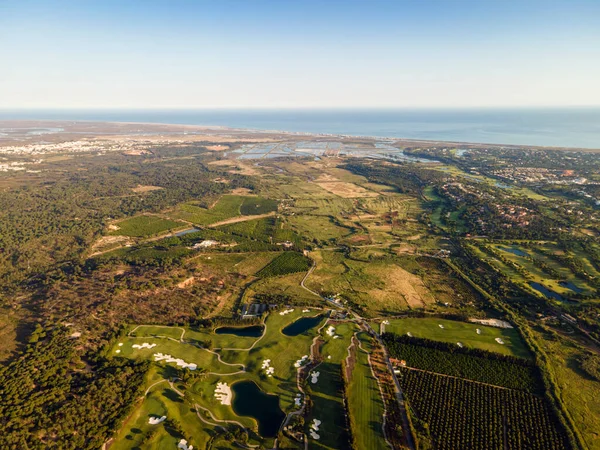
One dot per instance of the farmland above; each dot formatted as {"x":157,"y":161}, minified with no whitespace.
{"x":287,"y":262}
{"x":142,"y":226}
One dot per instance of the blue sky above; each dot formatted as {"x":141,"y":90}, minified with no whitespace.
{"x":203,"y":54}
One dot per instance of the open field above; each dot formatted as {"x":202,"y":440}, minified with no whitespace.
{"x":227,"y":207}
{"x":144,"y":225}
{"x":465,"y":333}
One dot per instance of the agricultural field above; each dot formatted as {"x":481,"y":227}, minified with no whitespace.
{"x":473,"y":364}
{"x":284,"y":264}
{"x":144,"y":225}
{"x":463,"y":414}
{"x":466,"y":333}
{"x":227,"y":207}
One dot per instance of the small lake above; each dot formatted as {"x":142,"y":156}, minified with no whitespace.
{"x":251,"y":331}
{"x":569,"y":285}
{"x":249,"y":400}
{"x":514,"y":251}
{"x":547,"y":292}
{"x":301,"y":325}
{"x":188,"y":231}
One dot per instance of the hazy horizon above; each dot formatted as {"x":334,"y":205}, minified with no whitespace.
{"x":299,"y":55}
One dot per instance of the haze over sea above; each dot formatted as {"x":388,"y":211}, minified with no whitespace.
{"x":567,"y":127}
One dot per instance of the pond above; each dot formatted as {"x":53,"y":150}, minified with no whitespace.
{"x":188,"y":231}
{"x":249,"y":400}
{"x":569,"y":285}
{"x":547,"y":292}
{"x":301,"y":325}
{"x":251,"y":331}
{"x":514,"y":251}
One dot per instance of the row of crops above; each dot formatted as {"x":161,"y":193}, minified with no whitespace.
{"x":473,"y":364}
{"x":464,"y":414}
{"x":287,"y":262}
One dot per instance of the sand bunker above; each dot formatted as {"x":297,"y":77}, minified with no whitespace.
{"x":301,"y":361}
{"x":298,"y":399}
{"x":478,"y":331}
{"x":314,"y":427}
{"x":460,"y":344}
{"x":499,"y":341}
{"x":492,"y":322}
{"x":314,"y":377}
{"x":183,"y":445}
{"x":156,"y":420}
{"x":409,"y":334}
{"x":441,"y":326}
{"x":330,"y":331}
{"x":144,"y":345}
{"x":178,"y":361}
{"x":266,"y":366}
{"x":223,"y":393}
{"x":287,"y":311}
{"x":305,"y":310}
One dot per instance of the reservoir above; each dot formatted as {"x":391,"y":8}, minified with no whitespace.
{"x":251,"y":331}
{"x":301,"y":325}
{"x":514,"y":251}
{"x":249,"y":400}
{"x":547,"y":292}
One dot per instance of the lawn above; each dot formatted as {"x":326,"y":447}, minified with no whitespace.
{"x":463,"y":332}
{"x":142,"y":226}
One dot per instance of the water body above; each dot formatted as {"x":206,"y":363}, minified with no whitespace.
{"x":301,"y":325}
{"x":251,"y":331}
{"x":547,"y":292}
{"x":188,"y":231}
{"x":564,"y":127}
{"x":570,"y":285}
{"x":514,"y":251}
{"x":249,"y":400}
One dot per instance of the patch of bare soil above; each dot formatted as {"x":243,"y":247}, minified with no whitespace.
{"x":217,"y":148}
{"x":409,"y":286}
{"x":346,"y":190}
{"x":142,"y":189}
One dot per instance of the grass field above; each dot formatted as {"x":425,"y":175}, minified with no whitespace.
{"x":365,"y":403}
{"x":286,"y":263}
{"x":227,"y":207}
{"x":465,"y":333}
{"x":141,"y":226}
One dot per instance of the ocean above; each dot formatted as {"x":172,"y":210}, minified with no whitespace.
{"x":566,"y":127}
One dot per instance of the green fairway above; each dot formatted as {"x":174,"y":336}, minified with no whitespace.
{"x":140,"y":226}
{"x":365,"y":403}
{"x":465,"y":333}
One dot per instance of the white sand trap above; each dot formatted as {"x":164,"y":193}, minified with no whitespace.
{"x":118,"y":351}
{"x":337,"y":336}
{"x":178,"y":361}
{"x":298,"y":399}
{"x":305,"y":310}
{"x":330,"y":331}
{"x":314,"y":377}
{"x":409,"y":334}
{"x":329,"y":357}
{"x":120,"y":344}
{"x":183,"y":445}
{"x":478,"y":331}
{"x":287,"y":311}
{"x":301,"y":361}
{"x":156,"y":420}
{"x":144,"y":345}
{"x":314,"y":435}
{"x":223,"y":393}
{"x":441,"y":326}
{"x":315,"y":425}
{"x":499,"y":341}
{"x":460,"y":344}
